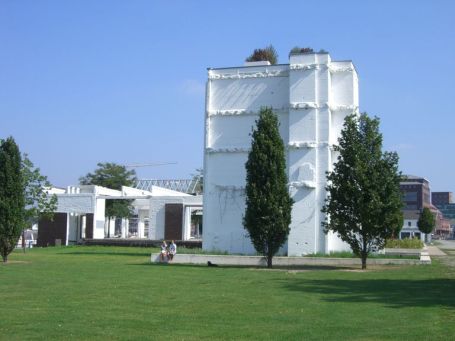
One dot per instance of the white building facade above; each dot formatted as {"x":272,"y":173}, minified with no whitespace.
{"x":410,"y":228}
{"x":311,"y":97}
{"x":158,"y":213}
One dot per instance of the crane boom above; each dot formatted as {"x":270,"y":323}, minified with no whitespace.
{"x":138,"y":165}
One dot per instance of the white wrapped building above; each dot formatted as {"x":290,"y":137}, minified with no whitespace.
{"x":311,"y":96}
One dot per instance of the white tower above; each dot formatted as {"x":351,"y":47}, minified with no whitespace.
{"x":311,"y":96}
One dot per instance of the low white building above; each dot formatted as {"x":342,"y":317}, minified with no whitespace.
{"x":158,"y":213}
{"x":311,"y":96}
{"x":410,"y":228}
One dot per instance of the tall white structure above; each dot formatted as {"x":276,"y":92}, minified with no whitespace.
{"x":311,"y":96}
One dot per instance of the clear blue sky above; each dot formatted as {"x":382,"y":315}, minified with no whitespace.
{"x":123,"y":81}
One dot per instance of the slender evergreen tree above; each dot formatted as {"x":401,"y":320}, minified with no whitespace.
{"x":364,"y":198}
{"x":426,"y":221}
{"x":12,"y":200}
{"x":268,"y":204}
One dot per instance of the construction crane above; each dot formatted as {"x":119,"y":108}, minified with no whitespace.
{"x":139,"y":165}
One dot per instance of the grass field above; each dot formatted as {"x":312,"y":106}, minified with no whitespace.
{"x":114,"y":293}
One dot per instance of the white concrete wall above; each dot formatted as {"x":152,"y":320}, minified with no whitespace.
{"x":131,"y":191}
{"x":160,"y":191}
{"x":235,"y":97}
{"x":72,"y":229}
{"x":75,"y":203}
{"x":99,"y":219}
{"x":410,"y":226}
{"x":157,"y":213}
{"x":311,"y":97}
{"x":156,"y":218}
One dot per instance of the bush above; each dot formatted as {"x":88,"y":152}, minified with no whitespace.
{"x":333,"y":254}
{"x":300,"y":50}
{"x":347,"y":254}
{"x":407,"y":243}
{"x":266,"y":54}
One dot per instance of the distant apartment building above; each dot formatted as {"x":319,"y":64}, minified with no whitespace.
{"x":441,"y":198}
{"x":417,"y":195}
{"x":445,"y":204}
{"x":416,"y":192}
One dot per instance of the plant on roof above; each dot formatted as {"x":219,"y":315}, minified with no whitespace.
{"x":266,"y":54}
{"x":300,"y":50}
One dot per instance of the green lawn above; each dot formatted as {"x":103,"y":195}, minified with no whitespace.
{"x":114,"y":293}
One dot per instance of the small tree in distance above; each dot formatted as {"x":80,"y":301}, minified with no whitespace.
{"x":113,"y":176}
{"x":364,"y":198}
{"x":426,"y":222}
{"x":268,"y":204}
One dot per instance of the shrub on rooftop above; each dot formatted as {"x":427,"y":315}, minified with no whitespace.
{"x":300,"y":50}
{"x":266,"y":54}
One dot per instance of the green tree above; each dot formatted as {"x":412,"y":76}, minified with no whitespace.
{"x":38,"y":203}
{"x":198,"y":181}
{"x":364,"y":199}
{"x":426,"y":221}
{"x":268,"y":204}
{"x":266,"y":54}
{"x":12,"y":202}
{"x":113,"y":176}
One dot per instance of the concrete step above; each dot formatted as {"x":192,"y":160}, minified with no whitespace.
{"x":259,"y":261}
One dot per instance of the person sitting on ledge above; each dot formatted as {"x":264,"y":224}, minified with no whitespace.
{"x":172,"y":250}
{"x":164,"y":253}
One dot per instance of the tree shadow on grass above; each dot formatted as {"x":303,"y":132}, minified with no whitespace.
{"x":106,"y":253}
{"x":394,"y":293}
{"x":262,"y":268}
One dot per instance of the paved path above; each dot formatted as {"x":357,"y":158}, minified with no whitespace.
{"x":446,"y":244}
{"x":434,"y":251}
{"x":448,"y":251}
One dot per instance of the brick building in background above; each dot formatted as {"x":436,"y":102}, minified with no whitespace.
{"x":445,"y":204}
{"x":416,"y":196}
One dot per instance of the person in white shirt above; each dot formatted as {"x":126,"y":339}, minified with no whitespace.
{"x":172,"y":250}
{"x":164,"y":252}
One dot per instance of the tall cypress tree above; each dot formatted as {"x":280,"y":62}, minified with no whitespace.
{"x":364,"y":201}
{"x":12,"y":201}
{"x":268,"y":204}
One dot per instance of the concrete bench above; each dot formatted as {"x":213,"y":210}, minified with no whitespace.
{"x":259,"y":261}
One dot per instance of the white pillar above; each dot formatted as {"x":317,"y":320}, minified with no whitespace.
{"x":140,"y":227}
{"x":186,"y":233}
{"x":65,"y":242}
{"x":123,"y":229}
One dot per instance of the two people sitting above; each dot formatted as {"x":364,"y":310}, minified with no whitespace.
{"x":168,"y":252}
